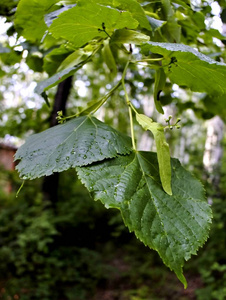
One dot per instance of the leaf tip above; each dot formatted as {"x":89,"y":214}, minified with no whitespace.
{"x":182,"y":279}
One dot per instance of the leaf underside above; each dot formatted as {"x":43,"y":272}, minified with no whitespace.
{"x":78,"y":142}
{"x":175,"y":226}
{"x":188,"y":67}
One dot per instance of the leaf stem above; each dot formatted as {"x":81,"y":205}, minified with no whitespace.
{"x":149,"y":59}
{"x":20,"y":188}
{"x":130,"y":106}
{"x":105,"y":98}
{"x":102,"y":101}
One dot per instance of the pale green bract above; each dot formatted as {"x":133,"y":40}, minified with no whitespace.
{"x":186,"y":66}
{"x":125,"y":36}
{"x":175,"y":226}
{"x":162,"y":147}
{"x":78,"y":142}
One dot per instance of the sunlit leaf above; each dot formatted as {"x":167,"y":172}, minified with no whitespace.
{"x":175,"y":226}
{"x":78,"y":142}
{"x":85,"y":22}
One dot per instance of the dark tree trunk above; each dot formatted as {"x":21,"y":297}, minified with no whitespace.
{"x":50,"y":183}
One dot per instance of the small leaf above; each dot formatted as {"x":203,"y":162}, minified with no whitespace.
{"x":162,"y":147}
{"x":83,"y":22}
{"x":126,"y":36}
{"x":160,"y":80}
{"x":186,"y":66}
{"x":78,"y":142}
{"x":173,"y":225}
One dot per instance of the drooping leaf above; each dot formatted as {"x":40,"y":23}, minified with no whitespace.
{"x":160,"y":80}
{"x":55,"y":79}
{"x":162,"y":147}
{"x":29,"y":18}
{"x":175,"y":226}
{"x":126,"y":36}
{"x":78,"y":142}
{"x":85,"y":21}
{"x":188,"y":67}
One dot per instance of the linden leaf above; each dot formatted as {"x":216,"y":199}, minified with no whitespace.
{"x":84,"y":22}
{"x":173,"y":225}
{"x":78,"y":142}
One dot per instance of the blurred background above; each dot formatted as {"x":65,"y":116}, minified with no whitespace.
{"x":55,"y":241}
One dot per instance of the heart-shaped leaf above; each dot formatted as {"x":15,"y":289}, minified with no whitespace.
{"x":175,"y":226}
{"x":78,"y":142}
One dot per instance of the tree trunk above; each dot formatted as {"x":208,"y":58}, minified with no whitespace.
{"x":50,"y":183}
{"x":213,"y":151}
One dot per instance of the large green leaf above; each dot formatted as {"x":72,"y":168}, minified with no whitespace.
{"x":84,"y":22}
{"x":175,"y":226}
{"x":29,"y":20}
{"x":188,"y":67}
{"x":78,"y":142}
